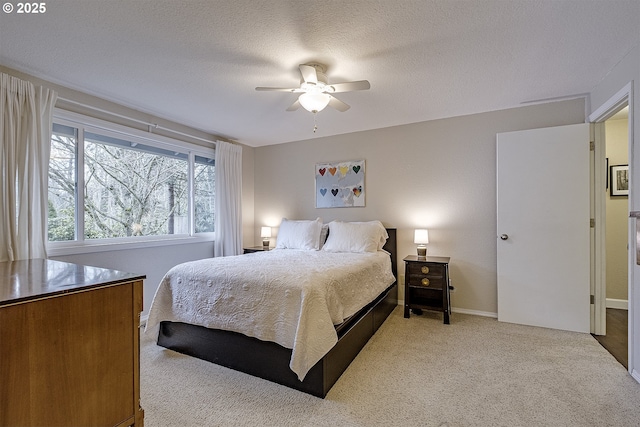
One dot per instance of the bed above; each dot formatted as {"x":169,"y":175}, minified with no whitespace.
{"x":307,"y":350}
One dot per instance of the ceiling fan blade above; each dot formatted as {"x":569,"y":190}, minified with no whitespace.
{"x":350,"y":86}
{"x":278,"y":89}
{"x":337,"y":104}
{"x":294,"y":106}
{"x":309,"y":74}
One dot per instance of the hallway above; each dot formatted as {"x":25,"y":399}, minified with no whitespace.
{"x":617,"y":338}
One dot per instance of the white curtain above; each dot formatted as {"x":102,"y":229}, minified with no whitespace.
{"x":26,"y":114}
{"x":228,"y":203}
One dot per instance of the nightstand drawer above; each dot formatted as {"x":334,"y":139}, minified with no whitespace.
{"x":430,"y":270}
{"x":426,"y":281}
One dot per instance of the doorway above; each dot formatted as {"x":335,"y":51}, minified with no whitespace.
{"x":616,"y":139}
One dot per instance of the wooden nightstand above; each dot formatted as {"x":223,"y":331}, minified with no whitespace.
{"x":256,"y":249}
{"x":426,"y":285}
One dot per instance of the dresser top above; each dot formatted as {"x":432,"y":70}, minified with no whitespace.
{"x":37,"y":278}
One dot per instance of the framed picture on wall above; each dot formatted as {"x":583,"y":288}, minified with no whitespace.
{"x":340,"y":184}
{"x":619,"y":180}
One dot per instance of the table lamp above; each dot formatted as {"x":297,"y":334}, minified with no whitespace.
{"x":265,"y":233}
{"x":421,"y":238}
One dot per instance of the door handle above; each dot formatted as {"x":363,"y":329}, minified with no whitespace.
{"x":504,"y":236}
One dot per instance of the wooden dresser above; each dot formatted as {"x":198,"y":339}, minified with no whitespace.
{"x":69,"y":345}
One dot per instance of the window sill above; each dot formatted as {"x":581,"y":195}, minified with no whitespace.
{"x":74,"y":248}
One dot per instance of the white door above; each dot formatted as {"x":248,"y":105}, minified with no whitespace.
{"x":543,"y":227}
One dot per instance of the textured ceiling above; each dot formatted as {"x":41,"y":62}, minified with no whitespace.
{"x":198,"y":62}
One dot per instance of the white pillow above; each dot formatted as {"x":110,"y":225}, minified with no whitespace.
{"x":357,"y":237}
{"x":299,"y":234}
{"x":383,"y":232}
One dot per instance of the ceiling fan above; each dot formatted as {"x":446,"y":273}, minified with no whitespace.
{"x":316,"y":92}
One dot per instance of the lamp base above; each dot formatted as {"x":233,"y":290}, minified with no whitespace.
{"x":265,"y":244}
{"x":422,"y":252}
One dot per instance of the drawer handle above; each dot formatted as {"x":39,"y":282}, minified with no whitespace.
{"x":425,"y":282}
{"x":425,"y":270}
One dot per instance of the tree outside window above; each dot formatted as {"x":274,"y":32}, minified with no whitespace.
{"x":130,"y":189}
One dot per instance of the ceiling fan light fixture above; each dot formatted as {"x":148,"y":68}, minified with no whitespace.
{"x":314,"y":102}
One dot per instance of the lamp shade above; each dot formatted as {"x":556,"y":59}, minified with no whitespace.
{"x":421,"y":237}
{"x":265,"y":232}
{"x":314,"y":102}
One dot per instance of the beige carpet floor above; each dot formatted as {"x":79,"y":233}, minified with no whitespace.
{"x":413,"y":372}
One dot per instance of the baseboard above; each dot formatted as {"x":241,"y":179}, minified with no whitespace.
{"x":465,"y":311}
{"x":621,"y":304}
{"x":474,"y":312}
{"x":636,"y":375}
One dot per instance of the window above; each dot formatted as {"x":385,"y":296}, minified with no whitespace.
{"x":133,"y":189}
{"x":62,"y":183}
{"x":204,"y":192}
{"x":131,"y":186}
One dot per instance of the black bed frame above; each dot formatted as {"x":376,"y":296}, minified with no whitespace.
{"x":269,"y":360}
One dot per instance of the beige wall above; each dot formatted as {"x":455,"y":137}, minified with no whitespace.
{"x":617,"y":141}
{"x":439,"y":174}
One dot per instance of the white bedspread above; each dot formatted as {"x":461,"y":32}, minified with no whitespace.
{"x":291,"y":297}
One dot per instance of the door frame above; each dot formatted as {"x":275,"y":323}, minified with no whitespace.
{"x":598,"y":231}
{"x":599,"y":116}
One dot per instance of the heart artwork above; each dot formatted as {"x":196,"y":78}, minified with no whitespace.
{"x":340,"y":184}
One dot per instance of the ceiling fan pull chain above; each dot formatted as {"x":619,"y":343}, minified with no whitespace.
{"x":315,"y":126}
